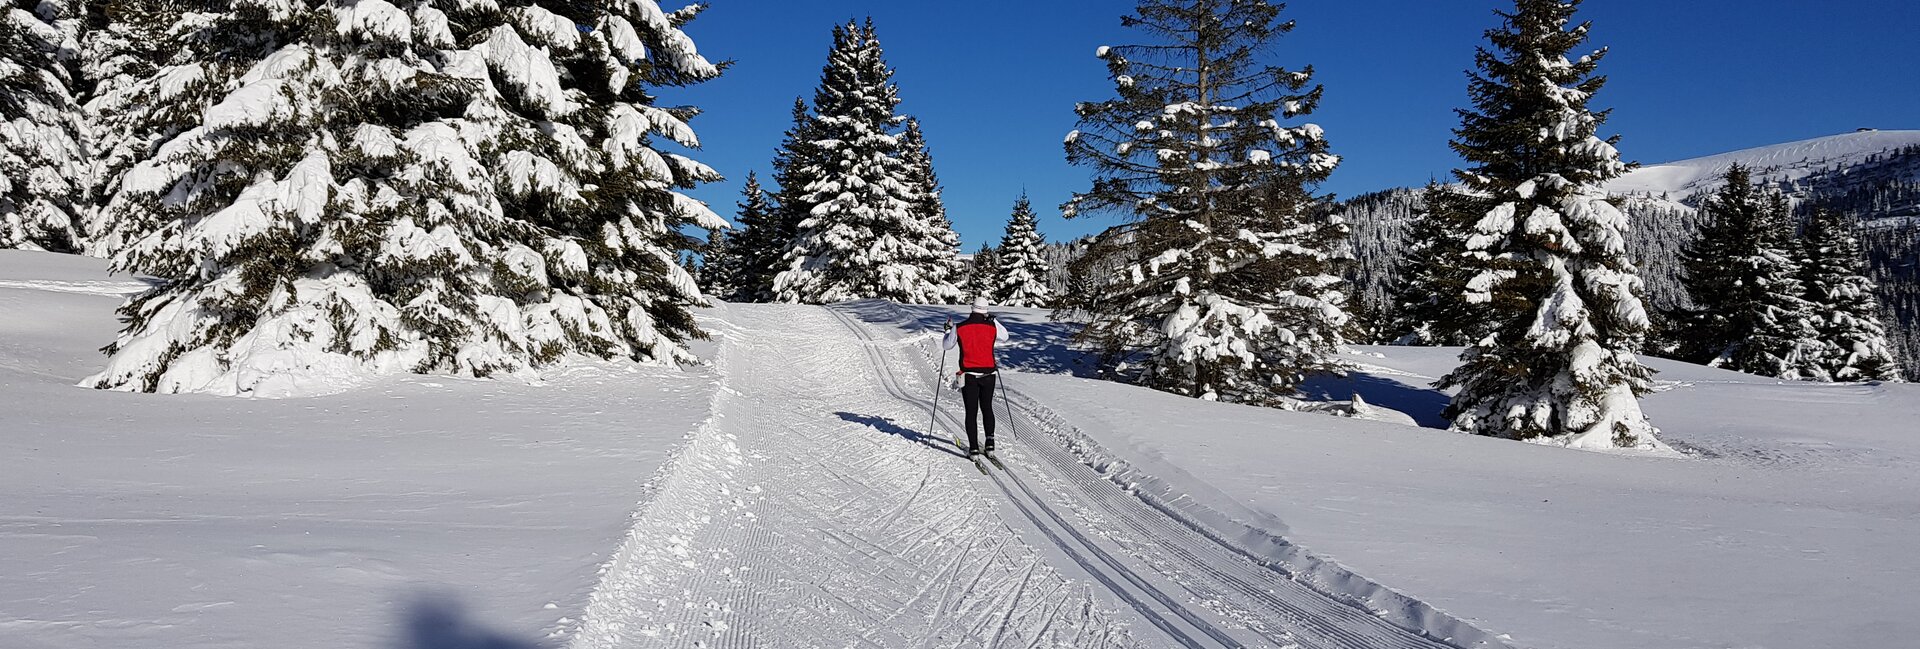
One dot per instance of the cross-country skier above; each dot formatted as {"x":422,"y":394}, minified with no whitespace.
{"x":976,"y":337}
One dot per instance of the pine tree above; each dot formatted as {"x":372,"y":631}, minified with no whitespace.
{"x":1431,"y":299}
{"x":716,"y":267}
{"x":629,"y":300}
{"x":129,"y":107}
{"x":981,"y":274}
{"x":1088,"y":275}
{"x":865,"y":233}
{"x":745,"y":259}
{"x":1848,"y":314}
{"x":694,"y":263}
{"x":43,"y":143}
{"x":943,"y":263}
{"x":1748,"y":315}
{"x":1229,"y":285}
{"x":377,"y":188}
{"x":1060,"y":256}
{"x":1549,"y":251}
{"x":1022,"y":269}
{"x":1380,"y":228}
{"x":795,"y":162}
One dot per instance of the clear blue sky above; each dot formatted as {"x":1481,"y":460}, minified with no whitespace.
{"x":994,"y":82}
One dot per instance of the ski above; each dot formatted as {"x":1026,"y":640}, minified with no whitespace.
{"x":996,"y":461}
{"x":964,"y":448}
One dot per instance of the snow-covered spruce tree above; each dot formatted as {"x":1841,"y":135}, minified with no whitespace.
{"x":1101,"y":260}
{"x":694,"y":262}
{"x":864,"y":233}
{"x":1701,"y":331}
{"x":1846,"y":310}
{"x":1379,"y":228}
{"x":1022,"y":267}
{"x":743,"y":259}
{"x":944,"y":268}
{"x":1430,"y":302}
{"x":43,"y":143}
{"x":1228,"y":281}
{"x":130,"y":108}
{"x":1549,"y":253}
{"x":598,"y":123}
{"x":374,"y":188}
{"x":1059,"y":256}
{"x":981,"y":272}
{"x":716,"y":267}
{"x":243,"y":210}
{"x":794,"y":164}
{"x":1747,"y":312}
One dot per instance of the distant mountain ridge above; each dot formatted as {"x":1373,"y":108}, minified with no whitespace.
{"x":1872,"y":175}
{"x":1779,"y":164}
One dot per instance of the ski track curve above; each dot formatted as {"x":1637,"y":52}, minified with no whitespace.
{"x":783,"y":523}
{"x":1184,"y":568}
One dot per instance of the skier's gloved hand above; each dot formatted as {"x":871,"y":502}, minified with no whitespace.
{"x":958,"y":380}
{"x":948,"y":326}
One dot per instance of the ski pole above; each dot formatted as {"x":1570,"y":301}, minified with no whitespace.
{"x":1012,"y":430}
{"x":939,"y":373}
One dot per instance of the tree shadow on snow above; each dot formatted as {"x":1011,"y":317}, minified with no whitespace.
{"x":887,"y":425}
{"x":1043,"y":346}
{"x":1036,"y":344}
{"x":439,"y":622}
{"x":1424,"y":405}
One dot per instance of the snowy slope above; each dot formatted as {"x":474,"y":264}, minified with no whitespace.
{"x":1775,"y":163}
{"x":420,"y":512}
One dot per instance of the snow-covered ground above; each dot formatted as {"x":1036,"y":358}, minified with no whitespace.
{"x":419,"y":512}
{"x":1794,"y":526}
{"x":791,"y":496}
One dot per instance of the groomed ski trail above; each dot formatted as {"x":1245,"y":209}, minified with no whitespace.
{"x":1197,"y":578}
{"x":806,"y":512}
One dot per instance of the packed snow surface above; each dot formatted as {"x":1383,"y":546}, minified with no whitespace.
{"x":1780,"y":162}
{"x":792,"y":495}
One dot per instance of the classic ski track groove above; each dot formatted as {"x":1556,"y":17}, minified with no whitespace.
{"x":781,"y":525}
{"x":1117,"y":578}
{"x":1251,"y":596}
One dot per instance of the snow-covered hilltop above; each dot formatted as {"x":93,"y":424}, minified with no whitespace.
{"x":1789,"y":162}
{"x":1872,"y":177}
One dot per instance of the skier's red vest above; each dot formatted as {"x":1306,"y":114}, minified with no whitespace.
{"x":976,"y":343}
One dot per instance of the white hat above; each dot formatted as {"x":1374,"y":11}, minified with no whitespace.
{"x":980,"y":305}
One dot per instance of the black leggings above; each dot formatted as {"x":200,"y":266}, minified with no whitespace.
{"x":978,"y":393}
